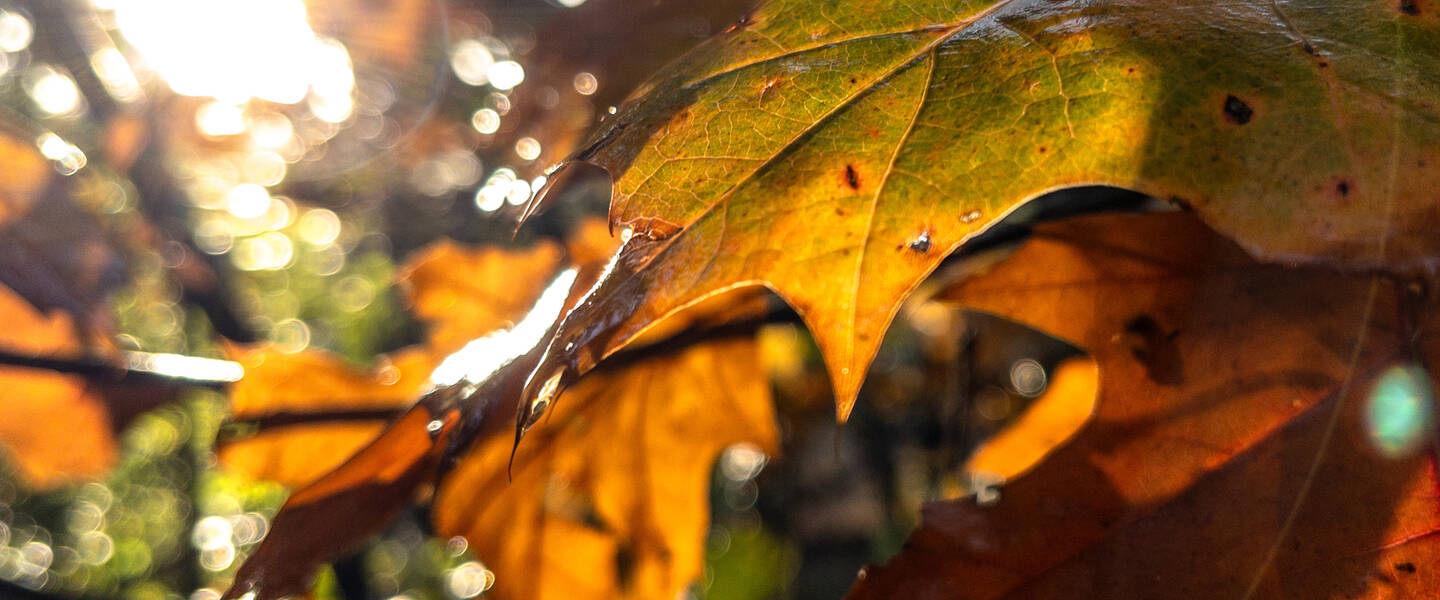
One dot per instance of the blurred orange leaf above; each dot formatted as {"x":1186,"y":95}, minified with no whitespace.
{"x":609,"y":496}
{"x":58,"y":428}
{"x":1220,"y":382}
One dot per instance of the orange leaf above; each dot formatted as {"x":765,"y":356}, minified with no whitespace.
{"x":609,"y":496}
{"x":313,"y":410}
{"x":1222,"y":382}
{"x":55,"y":427}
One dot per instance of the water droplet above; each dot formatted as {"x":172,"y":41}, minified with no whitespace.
{"x":434,"y":427}
{"x":970,"y":217}
{"x":921,"y":243}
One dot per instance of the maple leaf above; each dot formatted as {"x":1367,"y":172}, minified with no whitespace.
{"x":836,"y":152}
{"x":646,"y":498}
{"x":1234,"y":451}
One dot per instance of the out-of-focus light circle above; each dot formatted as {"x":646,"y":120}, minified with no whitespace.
{"x":505,"y":75}
{"x":457,"y":545}
{"x":114,"y":72}
{"x":527,"y":148}
{"x":318,"y":227}
{"x":519,"y":192}
{"x":271,"y":130}
{"x":468,"y":580}
{"x":471,"y":61}
{"x":291,"y":335}
{"x":490,"y":197}
{"x":217,"y":119}
{"x":501,"y":102}
{"x":1400,"y":411}
{"x":1027,"y":377}
{"x":264,"y":168}
{"x":586,"y":83}
{"x":67,"y":158}
{"x":212,"y":236}
{"x":485,"y":121}
{"x":211,"y":532}
{"x":247,"y":201}
{"x":267,"y":251}
{"x":332,"y":109}
{"x":15,"y":31}
{"x":218,"y":558}
{"x":354,"y":293}
{"x":205,"y":594}
{"x":570,"y":3}
{"x":95,"y":548}
{"x":52,"y":90}
{"x":742,"y":462}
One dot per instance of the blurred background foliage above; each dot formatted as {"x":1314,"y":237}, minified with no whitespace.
{"x":182,"y":171}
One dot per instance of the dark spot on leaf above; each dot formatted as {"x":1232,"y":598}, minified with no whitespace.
{"x":921,"y":243}
{"x":1156,"y":349}
{"x":1343,"y":187}
{"x":840,"y":212}
{"x":1237,"y":111}
{"x":853,"y":80}
{"x":1309,"y":49}
{"x":852,"y":178}
{"x":1130,"y":71}
{"x":1410,"y":7}
{"x":1324,"y":64}
{"x":1405,"y":567}
{"x":1043,"y":149}
{"x":625,"y":566}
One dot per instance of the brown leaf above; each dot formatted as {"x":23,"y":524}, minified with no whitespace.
{"x":1222,"y":382}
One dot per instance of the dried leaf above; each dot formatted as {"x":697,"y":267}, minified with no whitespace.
{"x":837,"y":152}
{"x":1220,"y":379}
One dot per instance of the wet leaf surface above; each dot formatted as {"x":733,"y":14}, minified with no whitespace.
{"x":1222,"y":383}
{"x":836,"y":153}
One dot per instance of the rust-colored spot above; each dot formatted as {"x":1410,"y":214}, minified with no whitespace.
{"x":1410,"y":7}
{"x":1237,"y":111}
{"x":1043,"y":149}
{"x":852,"y":178}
